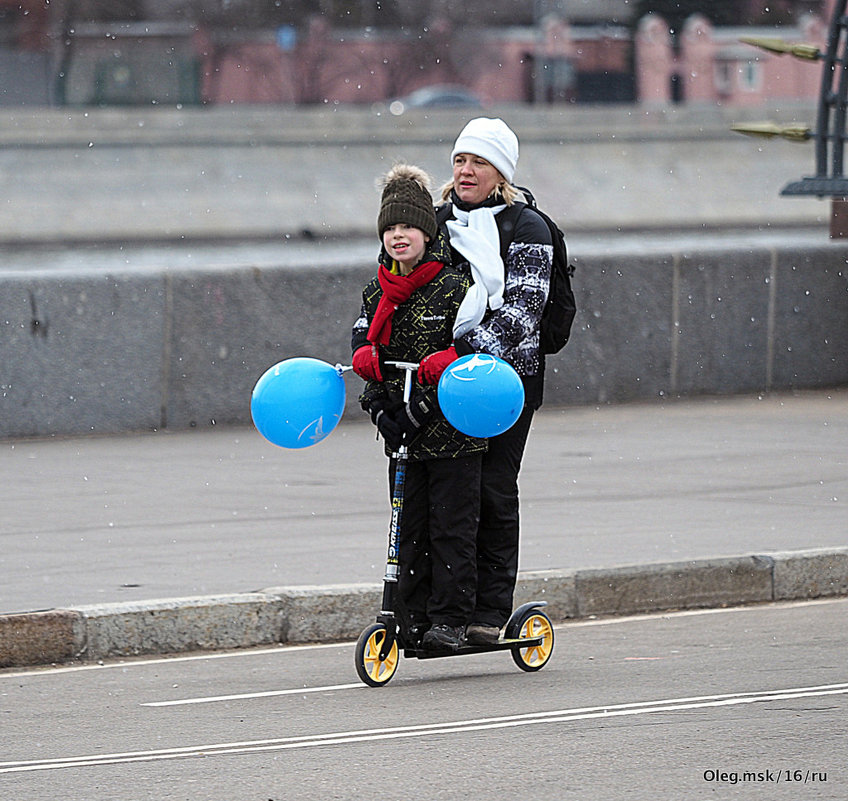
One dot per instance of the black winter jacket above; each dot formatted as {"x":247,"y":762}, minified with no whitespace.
{"x":512,"y":331}
{"x":422,"y":325}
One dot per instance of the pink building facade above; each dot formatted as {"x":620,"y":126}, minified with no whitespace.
{"x":332,"y":67}
{"x":554,"y":62}
{"x":711,"y":65}
{"x":560,"y":63}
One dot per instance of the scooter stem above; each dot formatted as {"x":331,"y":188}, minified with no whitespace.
{"x":409,"y":368}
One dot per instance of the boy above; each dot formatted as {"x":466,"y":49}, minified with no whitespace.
{"x":408,"y":312}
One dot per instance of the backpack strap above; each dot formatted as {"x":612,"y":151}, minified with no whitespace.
{"x":528,"y":195}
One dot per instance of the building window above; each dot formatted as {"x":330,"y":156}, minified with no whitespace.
{"x":559,"y":80}
{"x":723,"y":78}
{"x":750,"y":76}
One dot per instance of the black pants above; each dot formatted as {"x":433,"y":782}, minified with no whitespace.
{"x":497,"y":538}
{"x":438,"y":528}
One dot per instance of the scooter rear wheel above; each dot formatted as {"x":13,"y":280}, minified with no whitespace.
{"x":375,"y":672}
{"x":533,"y":624}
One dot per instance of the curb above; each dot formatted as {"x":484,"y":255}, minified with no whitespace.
{"x":306,"y":614}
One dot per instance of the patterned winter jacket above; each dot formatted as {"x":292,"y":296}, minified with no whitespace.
{"x":512,"y":331}
{"x":421,"y":325}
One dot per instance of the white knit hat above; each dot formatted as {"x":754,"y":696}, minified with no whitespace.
{"x":491,"y":139}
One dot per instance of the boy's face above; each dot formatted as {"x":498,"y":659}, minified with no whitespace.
{"x":405,"y":244}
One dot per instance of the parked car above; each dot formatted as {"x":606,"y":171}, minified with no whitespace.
{"x":436,"y":96}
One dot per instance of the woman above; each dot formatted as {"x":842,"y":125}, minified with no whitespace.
{"x":506,"y":248}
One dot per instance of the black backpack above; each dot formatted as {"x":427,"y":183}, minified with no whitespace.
{"x":560,"y":308}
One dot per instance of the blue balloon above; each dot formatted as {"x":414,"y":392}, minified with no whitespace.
{"x":298,"y":402}
{"x":481,"y":395}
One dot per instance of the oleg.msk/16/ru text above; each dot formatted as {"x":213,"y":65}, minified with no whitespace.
{"x":774,"y":776}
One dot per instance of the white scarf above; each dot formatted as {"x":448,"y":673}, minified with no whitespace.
{"x":475,"y":235}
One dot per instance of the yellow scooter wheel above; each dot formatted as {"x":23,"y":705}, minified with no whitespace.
{"x":375,"y":672}
{"x":534,"y":657}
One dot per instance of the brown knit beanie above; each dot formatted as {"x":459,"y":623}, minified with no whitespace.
{"x":406,"y":199}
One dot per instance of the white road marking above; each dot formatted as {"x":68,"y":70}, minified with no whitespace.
{"x":282,"y":649}
{"x":423,"y":730}
{"x":266,"y":694}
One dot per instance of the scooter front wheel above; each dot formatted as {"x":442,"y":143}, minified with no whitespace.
{"x":533,"y":624}
{"x":375,"y":672}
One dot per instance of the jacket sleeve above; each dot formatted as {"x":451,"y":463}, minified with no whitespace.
{"x":528,"y":275}
{"x":359,"y":337}
{"x":359,"y":334}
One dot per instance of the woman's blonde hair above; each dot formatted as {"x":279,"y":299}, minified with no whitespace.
{"x":504,"y":191}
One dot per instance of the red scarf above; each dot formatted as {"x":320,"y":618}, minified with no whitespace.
{"x":396,"y":290}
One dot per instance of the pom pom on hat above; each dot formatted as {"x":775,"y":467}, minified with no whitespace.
{"x":491,"y":139}
{"x":406,"y":199}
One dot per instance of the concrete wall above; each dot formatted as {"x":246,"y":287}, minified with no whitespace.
{"x":120,"y":351}
{"x":116,"y":175}
{"x":95,"y":341}
{"x":718,"y":321}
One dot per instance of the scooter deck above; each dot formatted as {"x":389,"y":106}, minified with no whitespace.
{"x":500,"y":645}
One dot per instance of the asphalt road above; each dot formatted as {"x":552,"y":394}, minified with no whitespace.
{"x":101,"y":519}
{"x":746,"y":703}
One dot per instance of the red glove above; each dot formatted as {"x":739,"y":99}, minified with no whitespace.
{"x":431,"y":368}
{"x":366,"y":363}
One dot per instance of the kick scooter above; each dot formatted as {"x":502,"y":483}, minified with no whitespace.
{"x":528,"y":635}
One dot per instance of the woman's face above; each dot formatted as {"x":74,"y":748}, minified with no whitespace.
{"x":474,"y":178}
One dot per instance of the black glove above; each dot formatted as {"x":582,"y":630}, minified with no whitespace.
{"x":382,"y":412}
{"x":413,"y":416}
